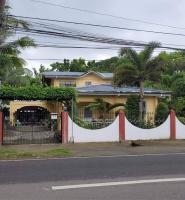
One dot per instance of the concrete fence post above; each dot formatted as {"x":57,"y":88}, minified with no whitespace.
{"x":121,"y":126}
{"x":172,"y":125}
{"x":64,"y":127}
{"x":1,"y":128}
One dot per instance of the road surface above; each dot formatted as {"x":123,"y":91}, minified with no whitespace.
{"x":112,"y":177}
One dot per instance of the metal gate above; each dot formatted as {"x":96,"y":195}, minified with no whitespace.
{"x":33,"y":127}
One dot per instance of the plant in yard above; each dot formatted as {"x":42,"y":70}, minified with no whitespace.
{"x":162,"y":112}
{"x":132,"y":108}
{"x":139,"y":68}
{"x":103,"y":107}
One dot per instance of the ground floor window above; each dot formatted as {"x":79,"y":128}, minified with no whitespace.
{"x":87,"y":113}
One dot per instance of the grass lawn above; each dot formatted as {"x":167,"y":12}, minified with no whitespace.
{"x":7,"y":153}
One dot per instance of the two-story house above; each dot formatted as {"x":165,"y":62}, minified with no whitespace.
{"x":89,"y":86}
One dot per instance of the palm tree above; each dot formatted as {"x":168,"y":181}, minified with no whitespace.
{"x":103,"y":107}
{"x":139,"y":68}
{"x":10,"y":50}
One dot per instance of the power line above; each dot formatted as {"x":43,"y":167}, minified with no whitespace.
{"x":106,"y":14}
{"x":102,"y":26}
{"x":49,"y":26}
{"x":92,"y":38}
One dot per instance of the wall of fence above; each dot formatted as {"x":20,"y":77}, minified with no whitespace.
{"x":121,"y":129}
{"x":180,"y":129}
{"x":107,"y":134}
{"x":134,"y":133}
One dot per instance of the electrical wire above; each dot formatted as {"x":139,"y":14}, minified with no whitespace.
{"x":106,"y":14}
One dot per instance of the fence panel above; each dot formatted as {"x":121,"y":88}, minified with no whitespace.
{"x":39,"y":130}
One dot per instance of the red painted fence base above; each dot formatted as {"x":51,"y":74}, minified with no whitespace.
{"x":121,"y":126}
{"x":172,"y":125}
{"x":1,"y":128}
{"x":64,"y":127}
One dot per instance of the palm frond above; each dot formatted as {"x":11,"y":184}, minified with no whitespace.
{"x":146,"y":54}
{"x":125,"y":75}
{"x":14,"y":22}
{"x":13,"y":47}
{"x":132,"y":56}
{"x":17,"y":61}
{"x":115,"y":106}
{"x":25,"y":42}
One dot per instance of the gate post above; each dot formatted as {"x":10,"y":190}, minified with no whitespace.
{"x":121,"y":126}
{"x":1,"y":128}
{"x":64,"y":127}
{"x":172,"y":125}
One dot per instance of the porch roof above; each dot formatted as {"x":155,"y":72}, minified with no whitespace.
{"x":107,"y":89}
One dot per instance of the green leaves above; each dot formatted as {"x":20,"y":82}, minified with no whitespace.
{"x":146,"y":54}
{"x":142,"y":66}
{"x":125,"y":75}
{"x":132,"y":56}
{"x":37,"y":93}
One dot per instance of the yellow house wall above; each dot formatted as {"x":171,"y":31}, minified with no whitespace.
{"x":151,"y":102}
{"x":56,"y":82}
{"x":50,"y":106}
{"x":94,"y":79}
{"x":108,"y":99}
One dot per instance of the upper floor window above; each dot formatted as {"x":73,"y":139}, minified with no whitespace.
{"x":88,"y":83}
{"x":68,"y":84}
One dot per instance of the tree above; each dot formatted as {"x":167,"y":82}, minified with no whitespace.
{"x":65,"y":66}
{"x":10,"y":50}
{"x":76,"y":65}
{"x":162,"y":112}
{"x":141,"y":67}
{"x":103,"y":107}
{"x":178,"y":87}
{"x":37,"y":79}
{"x":132,"y":109}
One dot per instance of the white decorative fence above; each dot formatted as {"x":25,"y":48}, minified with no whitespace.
{"x":121,"y":129}
{"x":180,"y":129}
{"x":107,"y":134}
{"x":134,"y":133}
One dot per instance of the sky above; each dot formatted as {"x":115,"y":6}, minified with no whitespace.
{"x":167,"y":12}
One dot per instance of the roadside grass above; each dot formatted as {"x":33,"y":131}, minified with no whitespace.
{"x":6,"y":153}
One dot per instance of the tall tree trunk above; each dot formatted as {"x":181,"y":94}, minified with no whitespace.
{"x":2,"y":5}
{"x":2,"y":19}
{"x":141,"y":100}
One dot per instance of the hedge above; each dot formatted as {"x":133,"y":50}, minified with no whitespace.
{"x":37,"y":93}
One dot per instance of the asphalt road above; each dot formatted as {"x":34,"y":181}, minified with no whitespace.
{"x":33,"y":179}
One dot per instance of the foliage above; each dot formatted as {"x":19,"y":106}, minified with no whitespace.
{"x":182,"y":120}
{"x":37,"y":93}
{"x":132,"y":108}
{"x":10,"y":60}
{"x":162,"y":112}
{"x":178,"y":87}
{"x":103,"y":107}
{"x":76,"y":65}
{"x":81,"y":123}
{"x":107,"y":65}
{"x":141,"y":67}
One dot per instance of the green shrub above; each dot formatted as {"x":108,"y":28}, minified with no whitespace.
{"x":162,"y":112}
{"x":37,"y":93}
